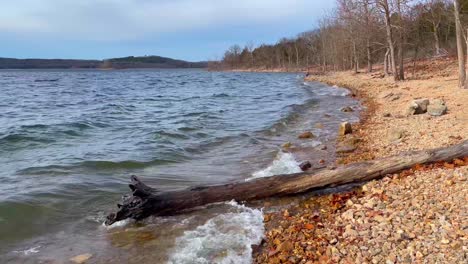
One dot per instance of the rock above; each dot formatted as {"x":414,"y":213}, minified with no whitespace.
{"x":286,"y":246}
{"x":287,"y":145}
{"x":437,"y":107}
{"x":305,"y":165}
{"x":396,"y":134}
{"x":347,"y":109}
{"x":322,"y":147}
{"x":345,"y":148}
{"x":345,"y":128}
{"x":350,"y":232}
{"x":349,"y":144}
{"x":81,"y":258}
{"x":306,"y":135}
{"x":417,"y":107}
{"x":387,"y":115}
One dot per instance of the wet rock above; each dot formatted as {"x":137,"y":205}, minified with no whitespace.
{"x":417,"y":107}
{"x":322,"y":147}
{"x":80,"y":259}
{"x":437,"y":107}
{"x":305,"y":165}
{"x":347,"y":109}
{"x":306,"y":135}
{"x":287,"y":145}
{"x":345,"y":128}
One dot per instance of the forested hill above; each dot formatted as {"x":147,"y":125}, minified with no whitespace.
{"x":114,"y":63}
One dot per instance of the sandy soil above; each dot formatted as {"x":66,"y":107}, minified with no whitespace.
{"x":417,"y":216}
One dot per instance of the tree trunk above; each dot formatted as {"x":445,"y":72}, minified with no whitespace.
{"x":436,"y":40}
{"x":386,"y":62}
{"x":401,"y":45}
{"x":369,"y":56}
{"x":461,"y":57}
{"x":297,"y":55}
{"x":466,"y":79}
{"x":146,"y":201}
{"x":368,"y":34}
{"x":355,"y":58}
{"x":388,"y":27}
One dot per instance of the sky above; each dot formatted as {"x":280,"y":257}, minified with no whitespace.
{"x":192,"y":30}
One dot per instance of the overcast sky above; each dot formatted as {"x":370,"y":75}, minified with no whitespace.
{"x":184,"y":29}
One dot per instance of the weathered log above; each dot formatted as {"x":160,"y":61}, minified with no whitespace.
{"x":146,"y":201}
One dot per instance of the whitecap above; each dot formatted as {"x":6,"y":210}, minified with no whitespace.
{"x":225,"y":238}
{"x":118,"y":224}
{"x":28,"y":251}
{"x":284,"y":163}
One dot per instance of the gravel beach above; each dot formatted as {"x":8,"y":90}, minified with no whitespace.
{"x":416,"y":216}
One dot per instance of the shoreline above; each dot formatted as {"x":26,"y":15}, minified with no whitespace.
{"x":372,"y":223}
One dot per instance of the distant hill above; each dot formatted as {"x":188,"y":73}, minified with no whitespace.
{"x":114,"y":63}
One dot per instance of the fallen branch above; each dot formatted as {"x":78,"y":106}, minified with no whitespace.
{"x":146,"y":201}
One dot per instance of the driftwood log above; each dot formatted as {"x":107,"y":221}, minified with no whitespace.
{"x":146,"y":201}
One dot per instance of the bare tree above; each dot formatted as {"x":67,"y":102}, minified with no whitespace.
{"x":461,"y":57}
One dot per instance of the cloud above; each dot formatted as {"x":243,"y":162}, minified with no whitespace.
{"x":120,"y":20}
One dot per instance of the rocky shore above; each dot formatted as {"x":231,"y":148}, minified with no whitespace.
{"x":416,"y":216}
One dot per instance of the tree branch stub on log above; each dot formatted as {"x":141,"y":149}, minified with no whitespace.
{"x":146,"y":201}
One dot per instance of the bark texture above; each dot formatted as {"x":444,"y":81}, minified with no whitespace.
{"x":146,"y":201}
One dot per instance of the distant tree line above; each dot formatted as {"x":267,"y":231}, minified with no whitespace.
{"x":114,"y":63}
{"x":361,"y":33}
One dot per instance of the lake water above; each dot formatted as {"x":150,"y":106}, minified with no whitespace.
{"x":69,"y":140}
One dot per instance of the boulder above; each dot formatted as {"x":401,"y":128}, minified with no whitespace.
{"x":437,"y":107}
{"x":417,"y":107}
{"x":306,"y":135}
{"x":345,"y":128}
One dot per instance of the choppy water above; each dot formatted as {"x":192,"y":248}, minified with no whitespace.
{"x":70,"y":139}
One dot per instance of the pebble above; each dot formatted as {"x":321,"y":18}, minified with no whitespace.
{"x":80,"y":259}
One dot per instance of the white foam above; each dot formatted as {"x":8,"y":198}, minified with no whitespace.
{"x":118,"y":224}
{"x":28,"y":251}
{"x":284,"y":163}
{"x":225,"y":238}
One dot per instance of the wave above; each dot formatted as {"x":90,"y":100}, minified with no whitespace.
{"x":325,"y":90}
{"x":94,"y":165}
{"x":16,"y":138}
{"x":221,"y":95}
{"x":46,"y":133}
{"x":46,"y":80}
{"x":284,"y":163}
{"x":226,"y":238}
{"x":294,"y":112}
